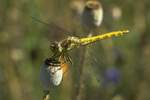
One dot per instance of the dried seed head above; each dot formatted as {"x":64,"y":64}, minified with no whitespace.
{"x":92,"y":15}
{"x":51,"y":73}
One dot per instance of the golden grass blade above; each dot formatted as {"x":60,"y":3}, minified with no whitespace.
{"x":88,"y":40}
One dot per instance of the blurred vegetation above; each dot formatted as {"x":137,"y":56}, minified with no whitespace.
{"x":24,"y":44}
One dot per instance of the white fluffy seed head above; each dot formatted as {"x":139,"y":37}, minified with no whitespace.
{"x":56,"y":74}
{"x":50,"y":76}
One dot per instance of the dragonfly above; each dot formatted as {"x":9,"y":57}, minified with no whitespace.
{"x":60,"y":49}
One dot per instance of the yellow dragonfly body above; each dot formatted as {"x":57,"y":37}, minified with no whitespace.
{"x":85,"y":41}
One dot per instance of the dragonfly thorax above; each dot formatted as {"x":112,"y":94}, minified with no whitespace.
{"x":70,"y":43}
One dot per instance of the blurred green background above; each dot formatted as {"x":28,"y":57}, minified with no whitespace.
{"x":24,"y":44}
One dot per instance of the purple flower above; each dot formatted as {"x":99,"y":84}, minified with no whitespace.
{"x":111,"y":76}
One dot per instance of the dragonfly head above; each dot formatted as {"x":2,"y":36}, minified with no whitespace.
{"x":62,"y":47}
{"x":54,"y":46}
{"x":56,"y":49}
